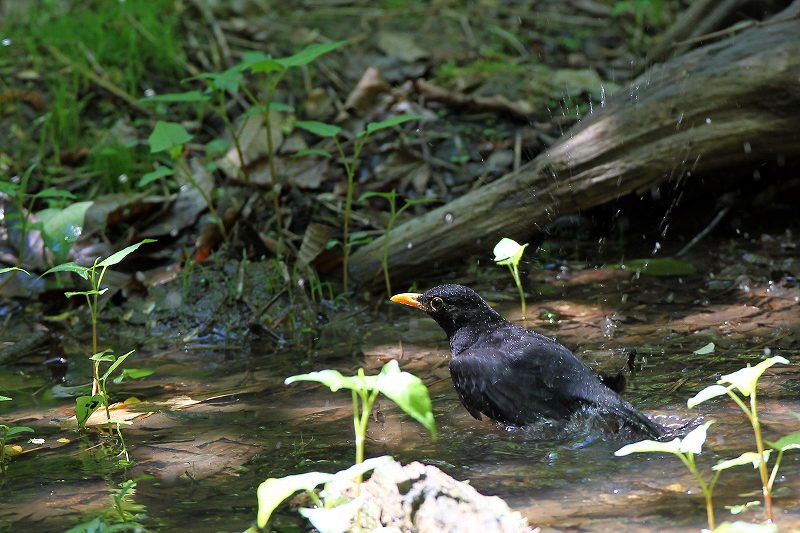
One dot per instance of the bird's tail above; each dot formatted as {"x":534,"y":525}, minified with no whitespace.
{"x":633,"y":419}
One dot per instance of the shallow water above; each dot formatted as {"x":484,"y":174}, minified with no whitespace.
{"x":213,"y":424}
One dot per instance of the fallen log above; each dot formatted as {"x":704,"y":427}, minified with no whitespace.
{"x":730,"y":105}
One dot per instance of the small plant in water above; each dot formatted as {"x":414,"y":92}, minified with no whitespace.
{"x":391,"y":197}
{"x":334,"y":512}
{"x":350,"y":166}
{"x":6,"y":434}
{"x":122,"y":514}
{"x":86,"y":405}
{"x":738,"y":386}
{"x":685,"y":449}
{"x":509,"y":252}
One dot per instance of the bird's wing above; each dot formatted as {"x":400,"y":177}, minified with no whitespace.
{"x":508,"y":382}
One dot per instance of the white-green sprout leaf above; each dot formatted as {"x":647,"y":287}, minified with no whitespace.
{"x":738,"y":509}
{"x":409,"y":393}
{"x":706,"y":394}
{"x":789,"y":442}
{"x":744,"y":459}
{"x":654,"y":446}
{"x":342,"y":479}
{"x":273,"y":491}
{"x":694,"y":440}
{"x":707,"y":349}
{"x":746,"y":379}
{"x":508,"y":252}
{"x":333,"y":520}
{"x":333,"y":379}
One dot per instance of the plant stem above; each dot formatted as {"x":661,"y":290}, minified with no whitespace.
{"x":385,"y":259}
{"x":206,"y":198}
{"x":350,"y":170}
{"x":707,"y":489}
{"x":515,"y":274}
{"x":762,"y":464}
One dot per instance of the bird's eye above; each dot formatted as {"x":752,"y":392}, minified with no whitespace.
{"x":437,"y":304}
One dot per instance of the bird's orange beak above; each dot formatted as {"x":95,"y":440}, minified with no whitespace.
{"x":409,"y":298}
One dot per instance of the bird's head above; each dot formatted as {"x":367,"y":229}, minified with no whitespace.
{"x":452,"y":307}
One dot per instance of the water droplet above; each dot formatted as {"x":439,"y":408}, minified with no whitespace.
{"x":173,"y":232}
{"x":122,"y":178}
{"x":747,"y":148}
{"x":767,"y":351}
{"x":656,"y":248}
{"x":410,"y":245}
{"x":6,"y":42}
{"x":149,"y":93}
{"x":708,"y":120}
{"x":448,"y":218}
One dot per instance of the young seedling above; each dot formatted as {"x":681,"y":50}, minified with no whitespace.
{"x":275,"y":69}
{"x":170,"y":137}
{"x":6,"y":434}
{"x":509,"y":252}
{"x":350,"y":166}
{"x":738,"y":386}
{"x":18,"y":218}
{"x":685,"y":449}
{"x":94,"y":276}
{"x":404,"y":389}
{"x":391,"y":197}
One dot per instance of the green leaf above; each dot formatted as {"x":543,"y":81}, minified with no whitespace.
{"x":312,"y":151}
{"x":409,"y":393}
{"x":372,"y":127}
{"x":187,"y":97}
{"x":85,"y":406}
{"x":166,"y":136}
{"x":51,"y":192}
{"x":133,"y":373}
{"x":707,"y":349}
{"x":266,"y":66}
{"x":333,"y":379}
{"x":647,"y":446}
{"x":75,"y":268}
{"x":746,"y":379}
{"x":789,"y":442}
{"x":694,"y":440}
{"x":318,"y":128}
{"x":150,"y":177}
{"x":217,"y":146}
{"x":281,"y":107}
{"x":85,"y":293}
{"x":665,"y":266}
{"x":309,"y":54}
{"x":706,"y":394}
{"x":508,"y":252}
{"x":390,"y":196}
{"x":16,"y":430}
{"x":744,"y":459}
{"x":738,"y":509}
{"x":13,"y":269}
{"x":226,"y":81}
{"x":105,"y":355}
{"x":62,"y":227}
{"x":115,"y":365}
{"x":273,"y":491}
{"x":5,"y":398}
{"x":9,"y":188}
{"x":115,"y":258}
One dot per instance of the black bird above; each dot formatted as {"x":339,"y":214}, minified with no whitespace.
{"x":514,"y":375}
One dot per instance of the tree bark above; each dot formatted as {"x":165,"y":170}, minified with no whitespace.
{"x":718,"y":108}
